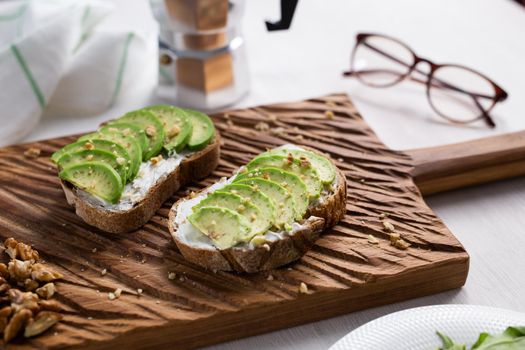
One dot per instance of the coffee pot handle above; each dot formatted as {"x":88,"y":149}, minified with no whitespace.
{"x":287,"y":12}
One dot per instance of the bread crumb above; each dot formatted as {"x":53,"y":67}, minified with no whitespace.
{"x":372,"y":239}
{"x":262,"y":126}
{"x":171,"y":275}
{"x":89,"y":146}
{"x":269,"y":278}
{"x":139,"y":291}
{"x":90,"y":318}
{"x":388,"y":226}
{"x":103,"y":272}
{"x":341,"y":160}
{"x":192,"y":194}
{"x":94,"y":250}
{"x":329,"y":114}
{"x":401,"y":244}
{"x":157,"y":302}
{"x":303,"y":288}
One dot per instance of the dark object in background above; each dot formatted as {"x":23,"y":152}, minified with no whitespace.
{"x":287,"y":12}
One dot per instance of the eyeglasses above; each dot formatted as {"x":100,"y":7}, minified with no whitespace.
{"x":457,"y":93}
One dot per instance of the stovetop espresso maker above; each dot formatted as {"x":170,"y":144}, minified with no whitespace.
{"x":202,"y":57}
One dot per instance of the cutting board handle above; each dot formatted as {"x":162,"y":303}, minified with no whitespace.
{"x":443,"y":168}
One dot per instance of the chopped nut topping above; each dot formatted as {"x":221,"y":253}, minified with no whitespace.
{"x":90,"y":157}
{"x":118,"y":292}
{"x":266,"y":246}
{"x":151,"y":131}
{"x":299,"y":137}
{"x":46,"y":291}
{"x":43,"y":273}
{"x":42,"y":322}
{"x":272,"y":118}
{"x":329,"y":114}
{"x":111,"y":296}
{"x":305,"y":162}
{"x":269,"y":278}
{"x":303,"y":288}
{"x":126,"y":132}
{"x":30,"y":284}
{"x":173,"y":131}
{"x":19,"y":270}
{"x":401,"y":244}
{"x":262,"y":126}
{"x":372,"y":240}
{"x":17,"y":323}
{"x":89,"y":146}
{"x":155,"y":160}
{"x":171,"y":275}
{"x":103,"y":272}
{"x":388,"y":226}
{"x":94,"y":250}
{"x":139,"y":291}
{"x":32,"y":152}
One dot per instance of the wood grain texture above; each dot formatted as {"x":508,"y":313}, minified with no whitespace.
{"x":443,"y":168}
{"x":343,"y":271}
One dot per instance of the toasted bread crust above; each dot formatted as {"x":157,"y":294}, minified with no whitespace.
{"x":198,"y":165}
{"x":276,"y":253}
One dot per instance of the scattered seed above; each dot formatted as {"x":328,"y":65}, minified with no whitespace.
{"x":388,"y":226}
{"x":372,"y":240}
{"x":303,"y":288}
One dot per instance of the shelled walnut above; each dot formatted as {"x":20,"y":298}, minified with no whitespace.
{"x":23,"y":282}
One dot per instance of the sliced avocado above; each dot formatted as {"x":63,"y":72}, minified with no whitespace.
{"x":129,"y":144}
{"x":259,"y":222}
{"x":203,"y":129}
{"x":259,"y":199}
{"x":289,"y":181}
{"x":303,"y":169}
{"x":151,"y":125}
{"x":223,"y":226}
{"x":94,"y":155}
{"x":176,"y":124}
{"x":104,"y":145}
{"x":280,"y":197}
{"x":324,"y":166}
{"x":128,"y":129}
{"x":96,"y":178}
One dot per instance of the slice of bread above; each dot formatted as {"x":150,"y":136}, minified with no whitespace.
{"x":319,"y":217}
{"x":194,"y":166}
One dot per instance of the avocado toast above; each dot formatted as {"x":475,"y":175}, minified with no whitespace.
{"x":268,"y":214}
{"x":117,"y":177}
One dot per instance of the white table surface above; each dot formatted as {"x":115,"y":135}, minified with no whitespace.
{"x":307,"y":61}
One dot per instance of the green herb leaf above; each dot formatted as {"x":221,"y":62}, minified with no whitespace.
{"x":448,"y":344}
{"x":512,"y":339}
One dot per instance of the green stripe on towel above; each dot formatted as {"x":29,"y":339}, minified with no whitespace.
{"x":11,"y":16}
{"x":121,"y":68}
{"x":32,"y":82}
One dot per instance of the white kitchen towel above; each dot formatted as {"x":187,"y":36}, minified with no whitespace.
{"x":69,"y":58}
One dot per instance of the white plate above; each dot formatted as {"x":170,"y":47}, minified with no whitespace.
{"x":415,"y":329}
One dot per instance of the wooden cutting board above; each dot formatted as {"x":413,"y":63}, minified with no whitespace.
{"x":343,"y":272}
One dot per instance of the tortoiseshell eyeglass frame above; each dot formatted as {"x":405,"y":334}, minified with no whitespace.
{"x":430,"y":82}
